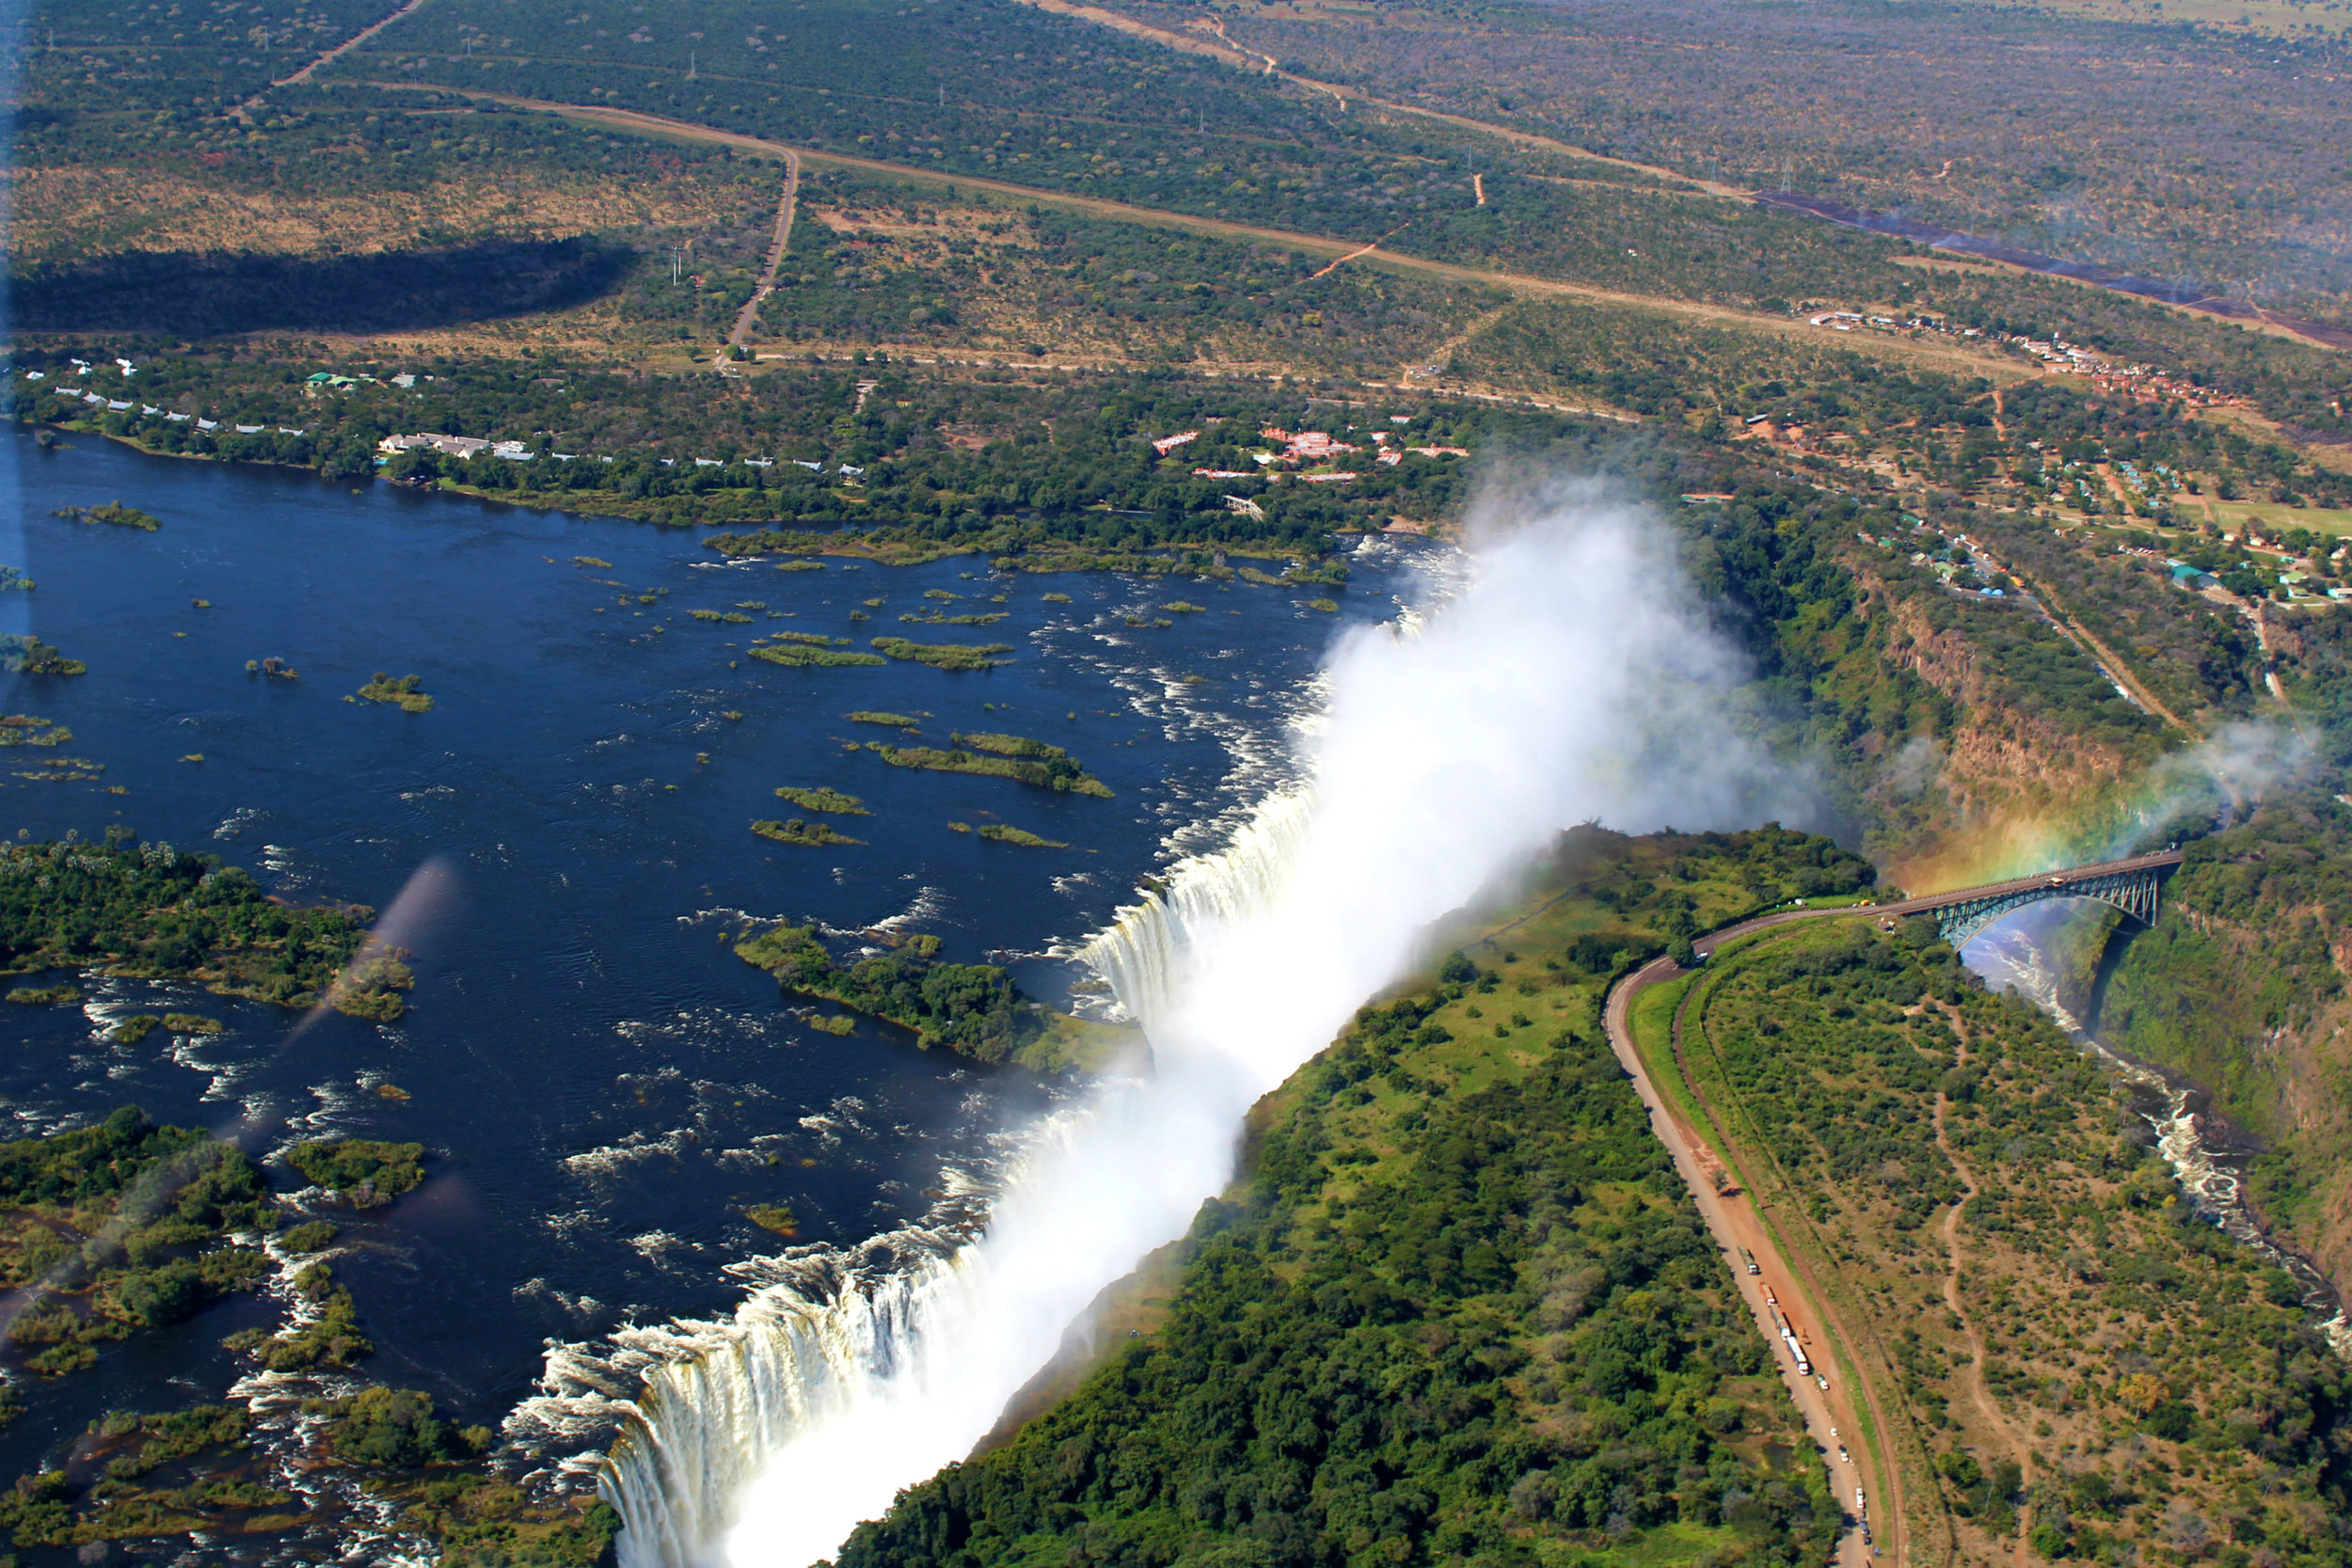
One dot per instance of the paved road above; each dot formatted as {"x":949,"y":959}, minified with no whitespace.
{"x":1737,"y":1222}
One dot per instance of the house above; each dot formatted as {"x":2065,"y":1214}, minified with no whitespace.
{"x":1167,"y":444}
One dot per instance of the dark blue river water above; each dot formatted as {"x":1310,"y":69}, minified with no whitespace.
{"x":603,"y":1087}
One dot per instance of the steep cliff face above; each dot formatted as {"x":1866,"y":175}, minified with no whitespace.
{"x":2019,"y":760}
{"x":2241,"y":986}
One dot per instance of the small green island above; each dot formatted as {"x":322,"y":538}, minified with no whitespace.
{"x":273,"y":668}
{"x":151,"y":913}
{"x":813,"y":650}
{"x":360,"y":1171}
{"x":113,"y":512}
{"x":23,"y":654}
{"x":946,"y":656}
{"x":1000,"y":756}
{"x":823,"y":798}
{"x":798,"y":831}
{"x":777,"y":1218}
{"x":933,"y":618}
{"x":999,"y":832}
{"x":974,"y":1010}
{"x":24,"y":729}
{"x":895,"y":720}
{"x":400,"y":693}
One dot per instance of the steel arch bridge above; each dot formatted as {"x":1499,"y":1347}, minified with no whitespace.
{"x":2133,"y":886}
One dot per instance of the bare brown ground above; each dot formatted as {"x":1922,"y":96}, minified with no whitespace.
{"x":94,"y":210}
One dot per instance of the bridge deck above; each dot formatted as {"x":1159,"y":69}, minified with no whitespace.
{"x":2162,"y":860}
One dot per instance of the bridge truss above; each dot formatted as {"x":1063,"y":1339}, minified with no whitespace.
{"x":2133,"y":891}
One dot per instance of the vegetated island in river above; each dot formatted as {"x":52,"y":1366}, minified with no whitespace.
{"x":1014,"y":757}
{"x":400,"y":693}
{"x":23,"y":654}
{"x":947,"y":656}
{"x":153,"y":913}
{"x":127,"y":1227}
{"x":808,"y":649}
{"x":120,"y":1227}
{"x":799,"y":831}
{"x":999,"y":832}
{"x":973,"y":1009}
{"x":113,"y":511}
{"x":823,"y":798}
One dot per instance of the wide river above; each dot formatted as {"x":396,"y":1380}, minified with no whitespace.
{"x":603,"y":1087}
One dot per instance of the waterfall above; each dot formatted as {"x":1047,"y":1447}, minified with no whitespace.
{"x":1142,"y":955}
{"x":800,"y":1355}
{"x":1570,"y":677}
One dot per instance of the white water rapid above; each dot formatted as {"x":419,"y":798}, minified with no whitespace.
{"x":2010,"y":956}
{"x":1570,"y":676}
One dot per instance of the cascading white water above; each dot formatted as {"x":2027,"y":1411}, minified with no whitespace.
{"x":2010,"y":956}
{"x":1570,"y":677}
{"x":1142,"y":954}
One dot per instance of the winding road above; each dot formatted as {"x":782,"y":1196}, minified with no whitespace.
{"x":1741,"y":1221}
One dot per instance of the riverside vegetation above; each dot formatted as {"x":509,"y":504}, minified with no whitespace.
{"x":1458,"y":1308}
{"x":2241,"y":988}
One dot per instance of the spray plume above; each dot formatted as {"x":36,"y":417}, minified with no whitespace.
{"x":1571,"y":677}
{"x":2220,"y":779}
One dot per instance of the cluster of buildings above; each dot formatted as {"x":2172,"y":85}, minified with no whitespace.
{"x":1293,"y":448}
{"x":517,"y":451}
{"x":2054,"y":355}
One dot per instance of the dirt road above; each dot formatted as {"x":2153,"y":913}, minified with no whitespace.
{"x":354,"y":42}
{"x":749,"y":313}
